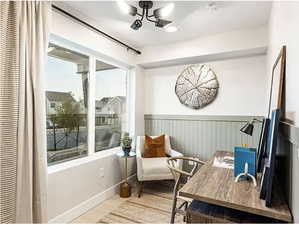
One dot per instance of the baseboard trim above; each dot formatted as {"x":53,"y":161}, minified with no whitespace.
{"x":80,"y":209}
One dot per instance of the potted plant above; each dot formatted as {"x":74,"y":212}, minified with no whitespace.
{"x":126,"y":143}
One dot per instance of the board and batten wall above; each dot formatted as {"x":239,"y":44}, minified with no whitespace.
{"x":241,"y":97}
{"x":201,"y":136}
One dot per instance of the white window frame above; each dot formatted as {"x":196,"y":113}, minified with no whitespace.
{"x":93,"y":56}
{"x":92,"y":93}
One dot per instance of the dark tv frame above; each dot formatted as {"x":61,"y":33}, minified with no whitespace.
{"x":282,"y":59}
{"x":262,"y":147}
{"x":269,"y":167}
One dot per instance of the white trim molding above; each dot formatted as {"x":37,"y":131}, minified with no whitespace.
{"x":83,"y":207}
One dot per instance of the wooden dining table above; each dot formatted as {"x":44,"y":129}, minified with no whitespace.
{"x":216,"y":186}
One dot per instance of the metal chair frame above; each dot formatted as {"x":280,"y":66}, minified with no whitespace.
{"x":178,"y":175}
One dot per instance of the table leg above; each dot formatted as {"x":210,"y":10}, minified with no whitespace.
{"x":125,"y":188}
{"x":126,"y":169}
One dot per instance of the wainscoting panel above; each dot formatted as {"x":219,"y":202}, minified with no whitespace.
{"x":201,"y":136}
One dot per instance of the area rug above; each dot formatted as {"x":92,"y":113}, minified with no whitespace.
{"x":154,"y":207}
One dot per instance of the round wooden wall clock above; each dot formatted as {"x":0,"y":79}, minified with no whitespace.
{"x":197,"y":86}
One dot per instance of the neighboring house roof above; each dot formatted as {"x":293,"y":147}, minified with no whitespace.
{"x":56,"y":96}
{"x":121,"y":99}
{"x":100,"y":104}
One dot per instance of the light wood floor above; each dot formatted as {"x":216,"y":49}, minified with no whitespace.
{"x":154,"y":206}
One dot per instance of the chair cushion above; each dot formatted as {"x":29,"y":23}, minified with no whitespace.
{"x":155,"y":166}
{"x":154,"y":147}
{"x":140,"y":144}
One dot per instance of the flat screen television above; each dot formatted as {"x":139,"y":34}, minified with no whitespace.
{"x":269,"y":167}
{"x":262,"y":147}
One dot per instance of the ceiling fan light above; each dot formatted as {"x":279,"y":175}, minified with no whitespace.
{"x":126,"y":8}
{"x":164,"y":11}
{"x":133,"y":11}
{"x":136,"y":24}
{"x":162,"y":23}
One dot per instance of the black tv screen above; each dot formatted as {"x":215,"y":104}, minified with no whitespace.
{"x":269,"y":167}
{"x":262,"y":147}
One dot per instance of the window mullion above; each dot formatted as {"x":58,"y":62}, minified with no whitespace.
{"x":91,"y":106}
{"x":130,"y":102}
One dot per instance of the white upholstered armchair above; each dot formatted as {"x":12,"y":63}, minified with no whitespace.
{"x":149,"y":169}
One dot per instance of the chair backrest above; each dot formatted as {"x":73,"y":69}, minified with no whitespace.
{"x":140,"y":144}
{"x":178,"y":173}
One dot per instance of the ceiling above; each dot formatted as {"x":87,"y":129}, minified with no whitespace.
{"x":193,"y":19}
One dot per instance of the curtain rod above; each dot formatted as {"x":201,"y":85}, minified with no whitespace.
{"x":96,"y":29}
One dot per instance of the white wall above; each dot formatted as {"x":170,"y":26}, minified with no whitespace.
{"x":75,"y":186}
{"x":79,"y":185}
{"x":283,"y":30}
{"x":71,"y":30}
{"x":136,"y":90}
{"x":237,"y":79}
{"x":206,"y":45}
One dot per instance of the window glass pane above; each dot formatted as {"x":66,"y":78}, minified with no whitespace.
{"x":66,"y":104}
{"x":110,"y":106}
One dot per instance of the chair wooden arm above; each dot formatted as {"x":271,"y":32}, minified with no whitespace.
{"x":171,"y":166}
{"x":178,"y":173}
{"x":188,"y":159}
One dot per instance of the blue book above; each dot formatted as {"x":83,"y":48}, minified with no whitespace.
{"x":243,"y":155}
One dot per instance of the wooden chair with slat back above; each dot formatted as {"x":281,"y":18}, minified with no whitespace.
{"x":178,"y":177}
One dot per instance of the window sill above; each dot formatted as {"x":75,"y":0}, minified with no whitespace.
{"x":83,"y":160}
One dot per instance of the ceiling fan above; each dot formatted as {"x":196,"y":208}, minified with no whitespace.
{"x":156,"y":17}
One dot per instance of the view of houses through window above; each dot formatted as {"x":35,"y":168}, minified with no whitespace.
{"x":66,"y":104}
{"x":67,"y":86}
{"x":110,"y":105}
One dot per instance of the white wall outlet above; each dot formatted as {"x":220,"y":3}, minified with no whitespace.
{"x":101,"y":173}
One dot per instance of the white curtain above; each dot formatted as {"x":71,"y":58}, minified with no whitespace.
{"x":24,"y":32}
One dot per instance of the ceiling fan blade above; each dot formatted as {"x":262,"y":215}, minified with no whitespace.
{"x":162,"y":23}
{"x":164,"y":11}
{"x":127,"y":8}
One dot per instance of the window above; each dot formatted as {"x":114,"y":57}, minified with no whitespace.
{"x":110,"y":105}
{"x":75,"y":80}
{"x":66,"y":104}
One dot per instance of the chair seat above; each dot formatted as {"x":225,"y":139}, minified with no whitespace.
{"x":155,"y":166}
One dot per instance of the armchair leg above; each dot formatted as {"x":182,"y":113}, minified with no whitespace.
{"x":140,"y":189}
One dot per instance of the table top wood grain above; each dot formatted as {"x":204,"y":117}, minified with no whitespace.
{"x":216,"y":186}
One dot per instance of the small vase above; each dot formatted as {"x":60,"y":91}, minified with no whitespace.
{"x":126,"y":150}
